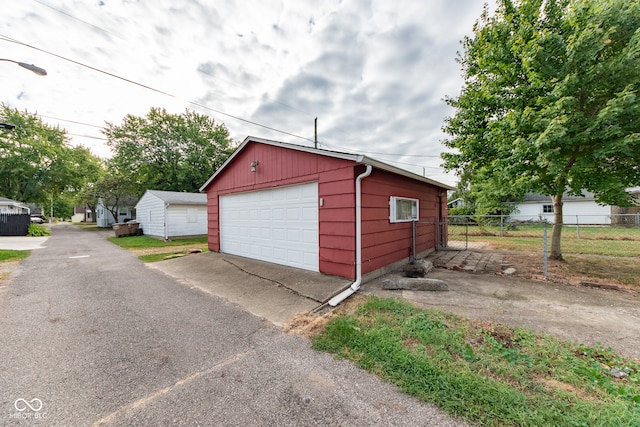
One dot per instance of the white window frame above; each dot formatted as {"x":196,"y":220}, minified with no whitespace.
{"x":396,"y":212}
{"x":547,"y":209}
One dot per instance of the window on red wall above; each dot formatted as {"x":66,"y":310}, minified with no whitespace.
{"x":403,"y":209}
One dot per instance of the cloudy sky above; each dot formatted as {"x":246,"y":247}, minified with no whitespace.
{"x":374,"y":72}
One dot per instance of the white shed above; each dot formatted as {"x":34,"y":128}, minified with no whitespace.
{"x":170,"y":214}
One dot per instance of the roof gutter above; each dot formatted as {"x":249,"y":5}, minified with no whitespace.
{"x":355,"y":285}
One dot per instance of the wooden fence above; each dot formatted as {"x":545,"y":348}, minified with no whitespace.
{"x":14,"y":224}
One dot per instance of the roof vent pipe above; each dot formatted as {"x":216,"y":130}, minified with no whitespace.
{"x":355,"y":285}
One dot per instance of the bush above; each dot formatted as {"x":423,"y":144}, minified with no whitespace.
{"x":37,"y":230}
{"x":462,"y":211}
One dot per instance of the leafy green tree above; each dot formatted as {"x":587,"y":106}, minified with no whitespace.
{"x":164,"y":151}
{"x":37,"y":162}
{"x":88,"y":195}
{"x":27,"y":153}
{"x":113,"y":189}
{"x":550,"y":102}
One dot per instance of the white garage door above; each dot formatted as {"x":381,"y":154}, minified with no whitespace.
{"x":277,"y":225}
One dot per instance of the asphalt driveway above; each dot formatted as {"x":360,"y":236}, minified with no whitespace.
{"x":582,"y":315}
{"x":91,"y":336}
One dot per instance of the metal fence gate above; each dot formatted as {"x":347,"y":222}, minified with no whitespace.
{"x":14,"y":224}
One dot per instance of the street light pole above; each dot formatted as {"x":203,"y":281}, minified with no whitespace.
{"x":33,"y":68}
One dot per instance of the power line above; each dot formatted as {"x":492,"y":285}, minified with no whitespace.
{"x":198,"y":69}
{"x":9,"y":39}
{"x":70,"y":121}
{"x":78,"y":19}
{"x":87,"y":136}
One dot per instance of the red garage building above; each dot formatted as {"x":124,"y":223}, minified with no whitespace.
{"x":319,"y":210}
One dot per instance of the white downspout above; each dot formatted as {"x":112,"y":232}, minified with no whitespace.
{"x":166,"y":218}
{"x":355,"y":285}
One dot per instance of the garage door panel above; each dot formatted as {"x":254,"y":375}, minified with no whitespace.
{"x":276,"y":225}
{"x":310,"y":237}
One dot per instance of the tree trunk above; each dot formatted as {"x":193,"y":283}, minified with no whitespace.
{"x":556,"y":235}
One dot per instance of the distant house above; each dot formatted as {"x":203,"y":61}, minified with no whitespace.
{"x":170,"y":214}
{"x":126,"y":212}
{"x":575,"y":209}
{"x":82,"y":214}
{"x":13,"y":207}
{"x":455,"y":203}
{"x":36,"y":210}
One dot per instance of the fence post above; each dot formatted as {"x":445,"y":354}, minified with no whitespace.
{"x":501,"y":225}
{"x":545,"y":251}
{"x":466,"y":234}
{"x":578,"y":226}
{"x":413,"y":241}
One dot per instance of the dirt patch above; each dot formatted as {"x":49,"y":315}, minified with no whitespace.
{"x":597,"y":314}
{"x":306,"y":324}
{"x":573,"y":313}
{"x":167,"y":249}
{"x":578,"y":270}
{"x":552,"y":384}
{"x":6,"y":268}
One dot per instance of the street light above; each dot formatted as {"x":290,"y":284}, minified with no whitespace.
{"x":34,"y":68}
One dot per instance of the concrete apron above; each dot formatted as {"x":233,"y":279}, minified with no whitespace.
{"x":22,"y":243}
{"x":273,"y":292}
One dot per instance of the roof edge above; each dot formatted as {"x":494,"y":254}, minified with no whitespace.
{"x":357,"y":158}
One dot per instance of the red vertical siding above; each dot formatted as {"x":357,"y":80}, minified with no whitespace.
{"x":337,"y":228}
{"x":280,"y":166}
{"x":383,"y":242}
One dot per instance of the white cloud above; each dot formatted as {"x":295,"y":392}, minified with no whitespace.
{"x":373,"y":72}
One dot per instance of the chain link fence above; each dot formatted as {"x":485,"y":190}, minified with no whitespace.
{"x":591,"y":237}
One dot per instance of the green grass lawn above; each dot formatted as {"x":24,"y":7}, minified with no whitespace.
{"x":486,"y":373}
{"x":7,"y":255}
{"x":137,"y":242}
{"x":537,"y":230}
{"x":149,"y":249}
{"x":592,"y":240}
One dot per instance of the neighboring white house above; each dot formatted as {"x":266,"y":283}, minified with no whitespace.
{"x":104,"y":217}
{"x":170,"y":214}
{"x":575,"y":209}
{"x":12,"y":206}
{"x":455,"y":203}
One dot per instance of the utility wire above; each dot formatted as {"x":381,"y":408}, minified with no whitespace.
{"x":70,"y":121}
{"x":12,"y":40}
{"x":199,"y":69}
{"x":78,"y":19}
{"x":9,"y":39}
{"x":87,"y":136}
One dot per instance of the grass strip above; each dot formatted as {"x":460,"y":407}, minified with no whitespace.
{"x":149,"y":249}
{"x":10,"y":255}
{"x":141,"y":242}
{"x":486,"y":373}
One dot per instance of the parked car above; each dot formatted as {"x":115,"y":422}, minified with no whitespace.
{"x":37,"y":219}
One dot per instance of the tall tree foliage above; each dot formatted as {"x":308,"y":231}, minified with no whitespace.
{"x":550,"y":102}
{"x":37,"y":163}
{"x":163,"y":151}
